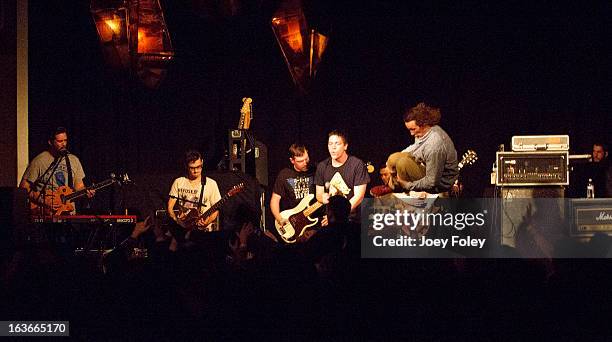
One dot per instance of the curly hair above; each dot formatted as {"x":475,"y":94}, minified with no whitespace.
{"x":423,"y":115}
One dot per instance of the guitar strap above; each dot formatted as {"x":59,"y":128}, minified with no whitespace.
{"x":201,"y":193}
{"x":69,"y":168}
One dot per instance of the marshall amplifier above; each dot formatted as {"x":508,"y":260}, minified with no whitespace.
{"x":532,"y":168}
{"x":590,"y":216}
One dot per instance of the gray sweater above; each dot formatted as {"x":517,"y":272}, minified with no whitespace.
{"x":437,"y":151}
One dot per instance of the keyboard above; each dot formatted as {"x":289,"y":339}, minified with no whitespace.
{"x":104,"y":219}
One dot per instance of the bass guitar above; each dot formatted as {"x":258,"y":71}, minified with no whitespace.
{"x":298,"y":219}
{"x":60,"y":201}
{"x":188,"y":217}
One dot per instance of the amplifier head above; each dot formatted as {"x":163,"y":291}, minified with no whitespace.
{"x":590,"y":216}
{"x":532,"y":168}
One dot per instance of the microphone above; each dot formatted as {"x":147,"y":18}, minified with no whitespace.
{"x":61,"y":154}
{"x":126,"y":180}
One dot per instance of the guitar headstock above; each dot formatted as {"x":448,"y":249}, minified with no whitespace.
{"x":468,"y":158}
{"x":245,"y":113}
{"x":235,"y":189}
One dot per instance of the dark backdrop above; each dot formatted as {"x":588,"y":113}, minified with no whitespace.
{"x":495,"y":69}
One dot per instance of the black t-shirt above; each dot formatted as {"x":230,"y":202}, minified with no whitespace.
{"x":353,"y":172}
{"x":292,"y":186}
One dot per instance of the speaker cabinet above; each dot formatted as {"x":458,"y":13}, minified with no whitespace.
{"x":532,"y":219}
{"x":261,"y":163}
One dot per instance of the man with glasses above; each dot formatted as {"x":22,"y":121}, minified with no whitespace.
{"x":193,"y":192}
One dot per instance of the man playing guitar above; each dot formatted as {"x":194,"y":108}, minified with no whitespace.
{"x":50,"y":170}
{"x":193,"y":192}
{"x":292,"y":184}
{"x":432,"y":147}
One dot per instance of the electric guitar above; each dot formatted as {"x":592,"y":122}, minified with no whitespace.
{"x":189,"y":217}
{"x":245,"y":113}
{"x":60,"y":201}
{"x":468,"y":158}
{"x":298,"y":219}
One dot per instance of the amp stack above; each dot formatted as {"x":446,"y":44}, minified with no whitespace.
{"x":531,"y":180}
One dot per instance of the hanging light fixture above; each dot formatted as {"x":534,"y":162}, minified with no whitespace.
{"x":302,"y":47}
{"x":134,"y":35}
{"x":111,"y":19}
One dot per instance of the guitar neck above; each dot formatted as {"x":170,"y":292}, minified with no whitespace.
{"x":312,"y":208}
{"x":83,"y":192}
{"x":241,"y":121}
{"x":214,"y":207}
{"x":245,"y":113}
{"x":245,"y":121}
